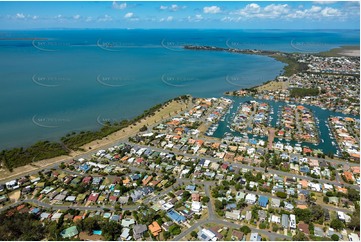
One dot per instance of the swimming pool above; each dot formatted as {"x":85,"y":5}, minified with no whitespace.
{"x":97,"y":232}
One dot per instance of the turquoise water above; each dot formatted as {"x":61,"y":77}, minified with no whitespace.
{"x":97,"y":232}
{"x":74,"y":80}
{"x":321,"y":114}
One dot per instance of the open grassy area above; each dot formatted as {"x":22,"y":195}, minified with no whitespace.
{"x":272,"y":86}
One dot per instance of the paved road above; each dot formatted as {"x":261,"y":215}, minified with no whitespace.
{"x":271,"y":235}
{"x":62,"y":207}
{"x":211,"y":213}
{"x":239,"y":165}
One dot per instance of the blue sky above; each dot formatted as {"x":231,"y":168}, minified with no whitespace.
{"x":132,"y":14}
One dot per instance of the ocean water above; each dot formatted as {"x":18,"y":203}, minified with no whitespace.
{"x":72,"y":80}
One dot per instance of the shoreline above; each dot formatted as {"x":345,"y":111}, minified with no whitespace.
{"x":165,"y":110}
{"x":275,"y":85}
{"x":291,"y":67}
{"x":346,"y":50}
{"x":134,"y":125}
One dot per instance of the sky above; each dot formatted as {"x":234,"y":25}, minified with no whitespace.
{"x":186,"y":15}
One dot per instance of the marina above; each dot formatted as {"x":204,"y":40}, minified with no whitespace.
{"x":321,"y":117}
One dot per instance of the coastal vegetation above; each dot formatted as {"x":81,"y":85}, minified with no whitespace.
{"x":303,"y":92}
{"x":41,"y":150}
{"x":16,"y":157}
{"x":21,"y":227}
{"x":292,"y":65}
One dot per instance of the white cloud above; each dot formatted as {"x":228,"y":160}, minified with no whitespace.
{"x":196,"y":18}
{"x":324,"y":2}
{"x":252,"y":8}
{"x":315,"y":12}
{"x":212,"y":9}
{"x":20,"y":16}
{"x":172,"y":8}
{"x":76,"y":16}
{"x":330,"y":12}
{"x":167,"y":19}
{"x":105,"y":18}
{"x":230,"y":19}
{"x":88,"y":19}
{"x":315,"y":9}
{"x":116,"y":5}
{"x":35,"y":17}
{"x":129,"y":15}
{"x":277,"y":9}
{"x":283,"y":11}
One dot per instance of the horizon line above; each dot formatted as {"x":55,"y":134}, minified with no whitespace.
{"x":180,"y":28}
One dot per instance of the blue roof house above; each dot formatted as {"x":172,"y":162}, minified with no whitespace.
{"x":191,"y":188}
{"x":176,"y":217}
{"x":263,"y":201}
{"x":84,"y":167}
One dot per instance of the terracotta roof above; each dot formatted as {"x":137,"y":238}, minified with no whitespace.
{"x":154,"y":228}
{"x":304,"y":228}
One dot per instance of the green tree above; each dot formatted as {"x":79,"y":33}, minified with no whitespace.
{"x":263,"y":225}
{"x":205,"y":199}
{"x":303,"y":214}
{"x":185,"y":195}
{"x":353,"y":194}
{"x":194,"y":234}
{"x":275,"y":228}
{"x":218,"y":204}
{"x":111,"y":230}
{"x":281,"y":194}
{"x":354,"y":224}
{"x":175,"y":229}
{"x":245,"y":229}
{"x":166,"y":235}
{"x":21,"y":227}
{"x":337,"y":224}
{"x":299,"y":236}
{"x":90,"y":224}
{"x":335,"y":237}
{"x":317,"y":213}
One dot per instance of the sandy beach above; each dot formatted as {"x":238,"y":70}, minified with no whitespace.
{"x":350,"y":53}
{"x":170,"y":109}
